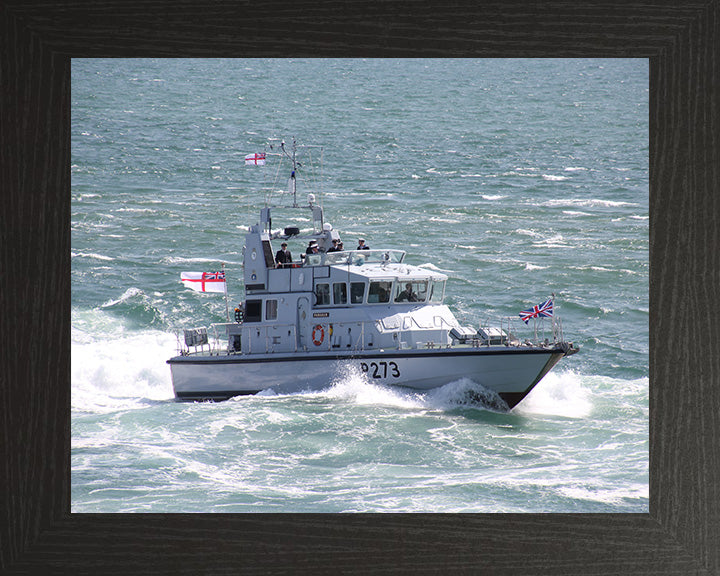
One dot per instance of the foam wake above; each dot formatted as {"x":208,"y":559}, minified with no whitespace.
{"x":354,"y":387}
{"x":124,"y":370}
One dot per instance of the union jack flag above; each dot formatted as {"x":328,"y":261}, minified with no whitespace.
{"x":214,"y":275}
{"x":544,"y":310}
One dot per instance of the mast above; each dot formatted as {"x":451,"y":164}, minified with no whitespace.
{"x":292,"y":188}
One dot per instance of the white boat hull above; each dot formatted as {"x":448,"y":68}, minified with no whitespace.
{"x":510,"y":372}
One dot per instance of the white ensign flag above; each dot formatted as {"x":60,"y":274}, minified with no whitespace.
{"x":204,"y":281}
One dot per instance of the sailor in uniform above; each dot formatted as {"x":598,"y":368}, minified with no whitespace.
{"x":283,"y":256}
{"x":361,"y":245}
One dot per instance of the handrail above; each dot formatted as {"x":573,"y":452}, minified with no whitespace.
{"x":355,"y":257}
{"x":543,"y":334}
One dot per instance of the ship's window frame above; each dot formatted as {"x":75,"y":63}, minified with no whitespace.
{"x":353,"y":293}
{"x":388,"y":291}
{"x":322,"y":299}
{"x":339,"y":298}
{"x":271,"y":309}
{"x":268,"y":254}
{"x":437,"y":291}
{"x":419,"y":288}
{"x":253,"y":311}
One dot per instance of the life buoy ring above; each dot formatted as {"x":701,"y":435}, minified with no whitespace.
{"x":318,"y":340}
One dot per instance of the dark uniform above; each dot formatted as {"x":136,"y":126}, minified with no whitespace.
{"x":407,"y":295}
{"x":283,"y":257}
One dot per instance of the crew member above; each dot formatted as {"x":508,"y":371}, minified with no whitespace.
{"x":361,"y":245}
{"x":283,"y":256}
{"x":407,"y":295}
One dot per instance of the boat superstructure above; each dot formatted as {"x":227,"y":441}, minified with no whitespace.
{"x":303,"y":324}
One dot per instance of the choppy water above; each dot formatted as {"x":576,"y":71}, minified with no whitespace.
{"x":517,"y":178}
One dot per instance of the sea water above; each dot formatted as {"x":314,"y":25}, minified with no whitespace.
{"x":516,"y":178}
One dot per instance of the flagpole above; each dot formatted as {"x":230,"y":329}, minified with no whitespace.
{"x":227,"y":309}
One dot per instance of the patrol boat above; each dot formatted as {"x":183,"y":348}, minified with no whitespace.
{"x":305,"y":324}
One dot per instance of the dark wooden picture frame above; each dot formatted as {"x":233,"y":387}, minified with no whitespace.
{"x":681,"y":533}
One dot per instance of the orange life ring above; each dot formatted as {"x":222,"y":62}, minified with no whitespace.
{"x":317,"y":341}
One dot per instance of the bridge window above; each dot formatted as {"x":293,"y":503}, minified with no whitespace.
{"x":322,"y":295}
{"x":411,"y":291}
{"x":340,"y":293}
{"x":357,"y":292}
{"x":379,"y":292}
{"x":437,"y":291}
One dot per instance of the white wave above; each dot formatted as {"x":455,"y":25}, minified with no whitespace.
{"x":120,"y":372}
{"x":529,"y":266}
{"x":492,"y":196}
{"x":553,"y":178}
{"x":182,"y":260}
{"x":445,"y":220}
{"x":606,"y":495}
{"x":576,"y":213}
{"x":574,"y":168}
{"x":129,"y":293}
{"x":464,"y":393}
{"x":605,"y":269}
{"x":137,"y":210}
{"x":90,"y":255}
{"x":516,"y":173}
{"x":440,"y":173}
{"x":552,"y":242}
{"x":589,"y":202}
{"x":525,"y":232}
{"x":431,"y":266}
{"x":354,"y":386}
{"x":558,"y":394}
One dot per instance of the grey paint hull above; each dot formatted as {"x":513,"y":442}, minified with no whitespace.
{"x":511,"y":372}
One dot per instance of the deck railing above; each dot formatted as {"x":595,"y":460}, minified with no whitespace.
{"x":507,"y":331}
{"x":355,"y":257}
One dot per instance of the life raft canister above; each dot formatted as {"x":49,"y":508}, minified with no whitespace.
{"x":318,"y":339}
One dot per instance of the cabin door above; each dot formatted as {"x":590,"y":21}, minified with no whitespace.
{"x":303,"y":322}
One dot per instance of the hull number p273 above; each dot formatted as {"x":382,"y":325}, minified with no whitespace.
{"x":380,"y":369}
